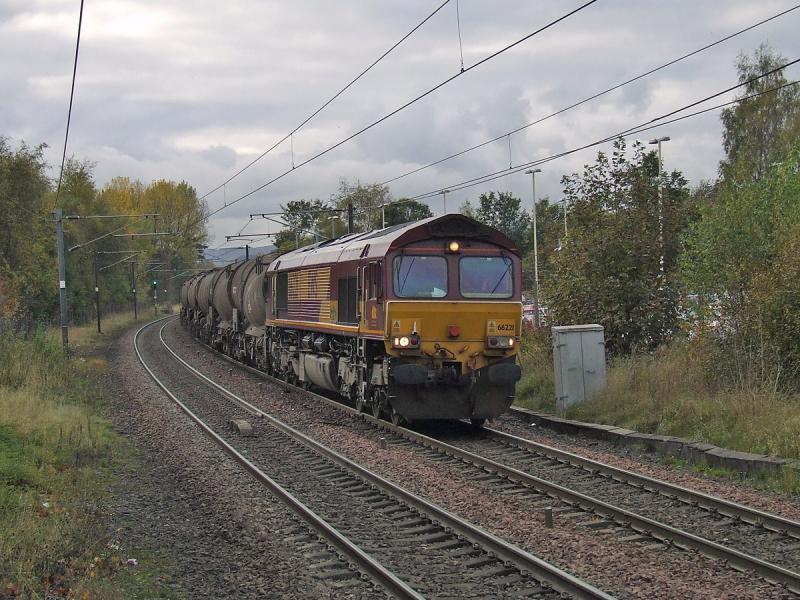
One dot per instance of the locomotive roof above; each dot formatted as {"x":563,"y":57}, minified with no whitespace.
{"x":377,"y":243}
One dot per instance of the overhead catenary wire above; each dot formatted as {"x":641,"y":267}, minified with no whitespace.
{"x":326,"y":103}
{"x":592,"y":97}
{"x":632,"y":131}
{"x":105,"y":235}
{"x":71,"y":97}
{"x":404,"y":106}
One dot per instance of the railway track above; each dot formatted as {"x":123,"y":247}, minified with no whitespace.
{"x":409,"y":546}
{"x":746,"y":538}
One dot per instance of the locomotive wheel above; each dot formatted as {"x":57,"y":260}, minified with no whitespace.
{"x":361,"y":405}
{"x":477,"y":422}
{"x":377,"y":404}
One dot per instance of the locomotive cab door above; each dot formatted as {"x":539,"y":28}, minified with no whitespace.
{"x":372,"y":314}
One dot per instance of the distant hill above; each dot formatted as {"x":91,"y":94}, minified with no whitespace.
{"x":225,"y":256}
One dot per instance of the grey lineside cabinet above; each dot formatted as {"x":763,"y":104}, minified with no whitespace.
{"x":579,"y":359}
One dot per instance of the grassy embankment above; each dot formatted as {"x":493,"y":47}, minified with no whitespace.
{"x":57,"y":458}
{"x":677,"y":391}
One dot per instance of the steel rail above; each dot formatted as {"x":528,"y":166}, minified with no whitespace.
{"x":373,"y":568}
{"x":724,"y":507}
{"x":526,"y":562}
{"x":664,"y":532}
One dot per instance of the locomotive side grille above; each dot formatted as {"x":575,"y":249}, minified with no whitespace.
{"x":310,"y":294}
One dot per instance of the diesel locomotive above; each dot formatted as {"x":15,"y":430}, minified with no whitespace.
{"x":415,"y":321}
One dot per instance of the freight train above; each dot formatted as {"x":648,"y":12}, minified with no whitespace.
{"x":415,"y":321}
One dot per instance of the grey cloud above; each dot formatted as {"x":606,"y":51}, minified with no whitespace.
{"x":181,"y":91}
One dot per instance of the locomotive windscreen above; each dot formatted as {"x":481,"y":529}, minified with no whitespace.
{"x":420,"y":276}
{"x":486,"y":276}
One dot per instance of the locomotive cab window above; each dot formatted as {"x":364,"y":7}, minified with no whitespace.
{"x":419,"y":276}
{"x":486,"y":276}
{"x":375,"y":280}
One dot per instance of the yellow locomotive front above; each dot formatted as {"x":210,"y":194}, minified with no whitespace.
{"x":415,"y":321}
{"x":452,"y":327}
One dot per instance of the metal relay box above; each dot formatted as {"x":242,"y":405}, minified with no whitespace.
{"x":579,"y":361}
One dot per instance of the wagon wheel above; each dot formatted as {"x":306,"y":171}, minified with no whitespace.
{"x":361,"y":403}
{"x":477,"y":422}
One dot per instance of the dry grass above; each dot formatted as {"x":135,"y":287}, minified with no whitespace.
{"x":56,"y":455}
{"x":84,"y":338}
{"x":675,"y":392}
{"x":536,"y":389}
{"x":681,"y":390}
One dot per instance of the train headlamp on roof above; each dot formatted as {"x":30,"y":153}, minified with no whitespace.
{"x":453,"y":247}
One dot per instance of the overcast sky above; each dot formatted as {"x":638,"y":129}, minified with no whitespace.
{"x":195,"y":90}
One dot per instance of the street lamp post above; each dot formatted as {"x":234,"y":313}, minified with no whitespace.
{"x":333,"y":220}
{"x":660,"y":205}
{"x":532,"y":173}
{"x":444,"y":200}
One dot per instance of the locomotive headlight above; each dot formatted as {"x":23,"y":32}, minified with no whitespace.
{"x":406,"y":341}
{"x":453,"y":247}
{"x":500,"y":342}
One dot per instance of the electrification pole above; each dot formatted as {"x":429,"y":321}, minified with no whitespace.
{"x":62,"y":280}
{"x":444,"y":200}
{"x":536,"y":320}
{"x":97,"y":293}
{"x":350,"y":226}
{"x":133,"y":290}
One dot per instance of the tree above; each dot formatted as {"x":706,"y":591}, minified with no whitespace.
{"x":753,"y":129}
{"x":366,"y":201}
{"x":741,"y":256}
{"x":406,"y":211}
{"x":28,"y":279}
{"x":503,"y":211}
{"x":26,"y":258}
{"x":608,"y":270}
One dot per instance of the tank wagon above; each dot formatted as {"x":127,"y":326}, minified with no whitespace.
{"x":415,"y":321}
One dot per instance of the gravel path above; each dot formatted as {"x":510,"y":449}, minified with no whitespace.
{"x":606,"y":557}
{"x":227,"y":536}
